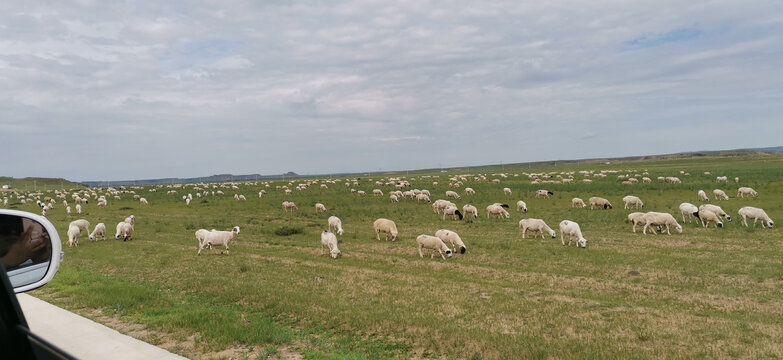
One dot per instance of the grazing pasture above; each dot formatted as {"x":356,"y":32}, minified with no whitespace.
{"x":706,"y":293}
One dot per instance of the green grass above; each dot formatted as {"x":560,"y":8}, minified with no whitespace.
{"x":706,"y":293}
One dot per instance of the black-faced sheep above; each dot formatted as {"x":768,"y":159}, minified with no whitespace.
{"x":434,"y":243}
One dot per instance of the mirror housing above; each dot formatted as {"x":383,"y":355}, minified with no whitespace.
{"x":31,"y":258}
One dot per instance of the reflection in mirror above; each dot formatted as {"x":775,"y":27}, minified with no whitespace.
{"x":25,"y":249}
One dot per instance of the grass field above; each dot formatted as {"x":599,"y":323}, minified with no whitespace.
{"x":706,"y":293}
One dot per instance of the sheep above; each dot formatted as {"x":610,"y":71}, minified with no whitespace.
{"x":636,"y":218}
{"x":507,"y":191}
{"x":125,"y":230}
{"x":453,"y":238}
{"x":320,"y":207}
{"x":578,"y":203}
{"x":703,"y":196}
{"x":736,"y":179}
{"x":689,"y":210}
{"x":393,"y":198}
{"x":452,"y":210}
{"x":721,"y":179}
{"x":100,"y":230}
{"x":289,"y":205}
{"x":707,"y":217}
{"x":470,"y":191}
{"x":385,"y":226}
{"x":82,"y":224}
{"x":498,"y":210}
{"x":755,"y":213}
{"x":68,"y":210}
{"x":453,"y":194}
{"x":599,"y":202}
{"x":653,"y":218}
{"x":434,"y":243}
{"x":572,"y":229}
{"x":470,"y":210}
{"x":215,"y":237}
{"x":422,"y":197}
{"x":716,"y":209}
{"x":130,"y":219}
{"x":336,"y":223}
{"x":377,"y":192}
{"x":634,"y":201}
{"x":741,"y":192}
{"x":536,"y":225}
{"x":441,"y":204}
{"x":521,"y":206}
{"x":187,"y":201}
{"x":78,"y":209}
{"x":328,"y":240}
{"x":143,"y":201}
{"x":543,"y":193}
{"x":720,"y":194}
{"x":73,"y":235}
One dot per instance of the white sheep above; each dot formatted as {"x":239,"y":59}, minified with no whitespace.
{"x":756,"y":214}
{"x":573,"y":231}
{"x":703,"y":196}
{"x":78,"y":209}
{"x":452,"y":194}
{"x":82,"y":224}
{"x":143,"y":201}
{"x":422,"y":197}
{"x":720,"y":194}
{"x":636,"y":218}
{"x":453,"y":211}
{"x":100,"y":230}
{"x":124,"y":230}
{"x":68,"y":210}
{"x":536,"y":225}
{"x":689,"y":210}
{"x":289,"y":205}
{"x":187,"y":201}
{"x":377,"y":192}
{"x":653,"y":218}
{"x":329,"y":240}
{"x":385,"y":226}
{"x":741,"y":192}
{"x":441,"y":204}
{"x":433,"y":243}
{"x":73,"y":235}
{"x":498,"y":210}
{"x":470,"y":191}
{"x":716,"y":209}
{"x":393,"y":198}
{"x":521,"y":206}
{"x":320,"y":207}
{"x":599,"y":202}
{"x":543,"y":193}
{"x":336,"y":223}
{"x":722,"y":179}
{"x":215,"y":237}
{"x":453,"y":238}
{"x":708,"y":217}
{"x":578,"y":203}
{"x":470,"y":210}
{"x":130,"y":219}
{"x":634,"y":201}
{"x":507,"y":191}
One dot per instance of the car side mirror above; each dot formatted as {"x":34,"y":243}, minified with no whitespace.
{"x":30,"y":249}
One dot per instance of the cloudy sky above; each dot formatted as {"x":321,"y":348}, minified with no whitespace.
{"x":114,"y":90}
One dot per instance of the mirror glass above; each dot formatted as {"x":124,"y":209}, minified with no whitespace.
{"x":25,"y":249}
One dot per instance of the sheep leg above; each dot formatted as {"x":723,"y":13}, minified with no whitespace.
{"x":667,"y":229}
{"x":524,"y":230}
{"x":421,"y":255}
{"x":441,"y":254}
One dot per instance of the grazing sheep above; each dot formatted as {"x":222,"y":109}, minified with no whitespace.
{"x":741,"y":192}
{"x":572,"y":230}
{"x":433,"y":243}
{"x":543,"y":193}
{"x":73,"y":235}
{"x":143,"y":201}
{"x":470,"y":191}
{"x":452,"y":194}
{"x":187,"y":201}
{"x":498,"y":210}
{"x":756,"y":214}
{"x":125,"y":230}
{"x":289,"y":205}
{"x":507,"y":191}
{"x":422,"y":197}
{"x":82,"y":224}
{"x":78,"y":209}
{"x":453,"y":238}
{"x":634,"y":201}
{"x":385,"y":226}
{"x":653,"y":218}
{"x":722,"y":179}
{"x":320,"y":207}
{"x":708,"y":217}
{"x":100,"y":230}
{"x":68,"y":210}
{"x":329,"y":240}
{"x":536,"y":225}
{"x":215,"y":237}
{"x":736,"y":179}
{"x":521,"y":206}
{"x":636,"y":218}
{"x":470,"y":210}
{"x":703,"y":196}
{"x":720,"y":194}
{"x":578,"y":203}
{"x":441,"y":204}
{"x":716,"y":209}
{"x":393,"y":198}
{"x":599,"y":202}
{"x":453,"y":211}
{"x":336,"y":223}
{"x":361,"y":193}
{"x":377,"y":192}
{"x":689,"y":210}
{"x":130,"y":219}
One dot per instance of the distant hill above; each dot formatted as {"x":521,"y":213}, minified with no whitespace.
{"x":37,"y":183}
{"x":210,"y":179}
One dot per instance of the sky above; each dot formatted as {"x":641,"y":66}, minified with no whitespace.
{"x":122,"y":90}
